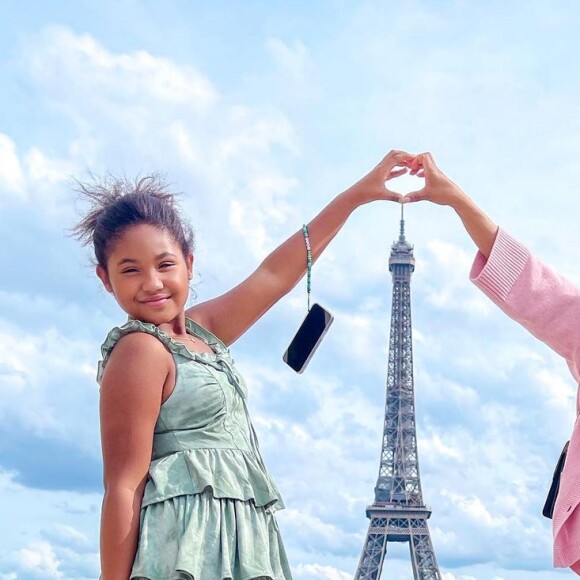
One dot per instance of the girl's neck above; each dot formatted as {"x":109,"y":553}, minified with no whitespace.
{"x":175,"y":327}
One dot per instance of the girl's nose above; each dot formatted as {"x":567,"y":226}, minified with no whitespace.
{"x":152,"y":282}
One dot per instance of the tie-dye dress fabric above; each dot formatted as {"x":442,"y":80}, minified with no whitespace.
{"x":209,"y":502}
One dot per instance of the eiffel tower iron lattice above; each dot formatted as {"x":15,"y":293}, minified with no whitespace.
{"x":398,"y":513}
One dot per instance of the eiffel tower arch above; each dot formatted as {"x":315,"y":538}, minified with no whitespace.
{"x":398,"y":513}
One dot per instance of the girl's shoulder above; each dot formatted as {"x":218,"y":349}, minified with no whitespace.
{"x":131,"y":327}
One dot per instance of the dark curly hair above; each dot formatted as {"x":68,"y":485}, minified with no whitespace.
{"x":117,"y":203}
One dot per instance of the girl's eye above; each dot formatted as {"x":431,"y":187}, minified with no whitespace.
{"x":128,"y":271}
{"x":165,"y":264}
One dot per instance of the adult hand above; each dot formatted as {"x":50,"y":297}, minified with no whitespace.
{"x":441,"y":190}
{"x":373,"y":185}
{"x":438,"y":187}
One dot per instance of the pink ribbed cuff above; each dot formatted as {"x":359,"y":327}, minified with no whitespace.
{"x":497,"y":275}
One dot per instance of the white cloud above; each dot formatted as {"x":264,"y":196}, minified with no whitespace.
{"x":131,"y":75}
{"x":362,"y":330}
{"x":255,"y":133}
{"x":11,"y":174}
{"x":309,"y":528}
{"x":266,"y":204}
{"x":559,"y":390}
{"x":30,"y":367}
{"x":32,"y":176}
{"x":314,"y":571}
{"x":40,"y":559}
{"x":475,"y":509}
{"x":66,"y":534}
{"x":434,"y":446}
{"x":442,"y":389}
{"x":292,"y":59}
{"x":450,"y":576}
{"x":40,"y":168}
{"x":454,"y":290}
{"x":50,"y":532}
{"x":451,"y":257}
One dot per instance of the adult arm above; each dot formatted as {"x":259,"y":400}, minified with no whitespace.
{"x":230,"y":315}
{"x":525,"y":288}
{"x":530,"y":292}
{"x":441,"y":190}
{"x":131,"y":392}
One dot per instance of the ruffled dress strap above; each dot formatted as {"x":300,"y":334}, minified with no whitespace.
{"x":118,"y":332}
{"x":175,"y":347}
{"x":209,"y":338}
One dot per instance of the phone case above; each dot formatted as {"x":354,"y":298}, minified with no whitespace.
{"x":308,"y":337}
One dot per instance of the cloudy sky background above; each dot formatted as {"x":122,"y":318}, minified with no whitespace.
{"x":260,"y":112}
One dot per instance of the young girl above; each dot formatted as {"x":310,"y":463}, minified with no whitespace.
{"x":187,"y":495}
{"x":542,"y":302}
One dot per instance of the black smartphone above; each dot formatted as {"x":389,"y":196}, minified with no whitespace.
{"x":308,"y":337}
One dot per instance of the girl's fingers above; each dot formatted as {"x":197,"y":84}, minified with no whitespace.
{"x":399,"y":153}
{"x":402,"y":158}
{"x":395,"y":155}
{"x":393,"y":195}
{"x":396,"y":172}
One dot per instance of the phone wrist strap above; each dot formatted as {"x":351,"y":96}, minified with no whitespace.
{"x":308,"y":263}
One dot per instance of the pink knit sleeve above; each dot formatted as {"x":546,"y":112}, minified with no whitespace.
{"x":533,"y":295}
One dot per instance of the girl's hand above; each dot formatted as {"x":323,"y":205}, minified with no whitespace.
{"x":373,"y":185}
{"x":438,"y":187}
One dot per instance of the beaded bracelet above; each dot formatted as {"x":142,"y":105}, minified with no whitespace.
{"x":308,"y":262}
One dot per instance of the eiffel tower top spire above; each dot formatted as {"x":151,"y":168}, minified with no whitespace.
{"x":402,"y":252}
{"x":402,"y":234}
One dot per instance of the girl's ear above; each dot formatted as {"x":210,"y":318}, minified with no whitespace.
{"x":104,"y":277}
{"x":189,"y":262}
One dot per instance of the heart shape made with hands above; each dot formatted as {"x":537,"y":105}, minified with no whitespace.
{"x":404,"y":184}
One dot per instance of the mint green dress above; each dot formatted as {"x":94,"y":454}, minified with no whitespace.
{"x":209,"y":502}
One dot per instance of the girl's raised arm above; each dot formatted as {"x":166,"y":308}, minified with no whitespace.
{"x":231,"y":314}
{"x":131,"y":392}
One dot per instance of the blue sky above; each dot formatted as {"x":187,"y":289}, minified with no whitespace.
{"x":259,"y":112}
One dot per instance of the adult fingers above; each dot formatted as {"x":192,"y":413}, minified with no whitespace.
{"x":417,"y":170}
{"x":428,"y":163}
{"x":416,"y":165}
{"x":430,"y":160}
{"x":418,"y":195}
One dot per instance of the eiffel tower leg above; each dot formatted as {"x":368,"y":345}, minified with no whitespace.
{"x":375,"y":548}
{"x":422,"y":554}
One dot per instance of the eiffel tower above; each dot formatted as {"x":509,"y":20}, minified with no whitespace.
{"x":398,"y":513}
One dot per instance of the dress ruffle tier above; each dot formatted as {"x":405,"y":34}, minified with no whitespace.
{"x":229,"y":473}
{"x":199,"y":537}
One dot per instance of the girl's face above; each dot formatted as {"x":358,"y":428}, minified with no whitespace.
{"x":148,"y":275}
